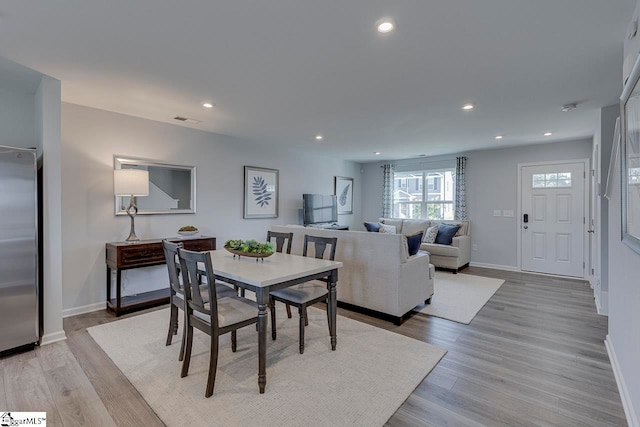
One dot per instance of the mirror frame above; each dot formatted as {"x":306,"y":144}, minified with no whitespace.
{"x":629,"y":204}
{"x":119,"y":161}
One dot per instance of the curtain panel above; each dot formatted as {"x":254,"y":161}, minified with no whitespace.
{"x":387,"y":191}
{"x":460,"y":210}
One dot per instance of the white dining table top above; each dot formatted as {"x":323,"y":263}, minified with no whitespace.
{"x":275,"y":269}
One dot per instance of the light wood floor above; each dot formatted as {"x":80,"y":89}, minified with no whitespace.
{"x":534,"y":355}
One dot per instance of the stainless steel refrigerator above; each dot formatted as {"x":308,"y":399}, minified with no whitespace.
{"x":19,"y":323}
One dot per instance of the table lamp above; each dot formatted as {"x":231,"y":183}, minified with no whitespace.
{"x":132,"y":183}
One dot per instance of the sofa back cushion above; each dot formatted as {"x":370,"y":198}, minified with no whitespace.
{"x":413,"y":226}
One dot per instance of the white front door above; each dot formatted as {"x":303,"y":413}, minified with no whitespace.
{"x":552,"y":223}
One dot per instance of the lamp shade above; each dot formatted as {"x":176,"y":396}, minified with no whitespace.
{"x":130,"y":182}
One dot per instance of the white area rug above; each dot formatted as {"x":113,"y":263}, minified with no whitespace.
{"x":363,"y":382}
{"x":459,"y":297}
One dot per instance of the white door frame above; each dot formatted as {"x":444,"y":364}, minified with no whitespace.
{"x":585,"y":241}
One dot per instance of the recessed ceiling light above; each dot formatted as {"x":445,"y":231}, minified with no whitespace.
{"x":319,"y":137}
{"x":569,"y":107}
{"x":385,"y":25}
{"x":207,"y":105}
{"x":499,"y":136}
{"x":467,"y":107}
{"x":547,"y":134}
{"x":377,"y":153}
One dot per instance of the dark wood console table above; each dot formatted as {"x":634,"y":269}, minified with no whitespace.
{"x":145,"y":253}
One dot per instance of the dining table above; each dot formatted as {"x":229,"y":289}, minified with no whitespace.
{"x":268,"y":274}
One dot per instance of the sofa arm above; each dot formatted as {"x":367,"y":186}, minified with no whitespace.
{"x":464,"y":245}
{"x":414,"y":284}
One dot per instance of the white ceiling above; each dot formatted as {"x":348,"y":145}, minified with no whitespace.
{"x":281,"y":71}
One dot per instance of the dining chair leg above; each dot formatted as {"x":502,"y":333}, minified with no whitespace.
{"x":272,"y":306}
{"x":301,"y":311}
{"x":288,"y":311}
{"x":187,"y":352}
{"x":234,"y":341}
{"x":184,"y":336}
{"x":213,"y":366}
{"x":173,"y":323}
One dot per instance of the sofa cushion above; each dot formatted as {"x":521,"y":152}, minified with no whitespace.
{"x":397,"y":223}
{"x":441,"y":250}
{"x":372,"y":226}
{"x":413,"y":243}
{"x":430,"y":235}
{"x":462,"y":231}
{"x":387,"y":229}
{"x":446,"y":233}
{"x":413,"y":226}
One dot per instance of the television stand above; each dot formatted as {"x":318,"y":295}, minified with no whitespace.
{"x":330,"y":226}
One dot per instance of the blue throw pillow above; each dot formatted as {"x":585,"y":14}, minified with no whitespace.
{"x":372,"y":226}
{"x":446,"y":233}
{"x":413,"y":242}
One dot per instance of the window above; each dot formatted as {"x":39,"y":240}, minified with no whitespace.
{"x":424,"y":194}
{"x":552,"y":180}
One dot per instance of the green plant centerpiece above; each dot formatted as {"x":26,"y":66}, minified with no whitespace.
{"x":249,"y":248}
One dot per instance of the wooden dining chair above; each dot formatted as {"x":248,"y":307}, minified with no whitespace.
{"x":305,"y":294}
{"x":214,"y":317}
{"x":282,"y":239}
{"x":176,"y":291}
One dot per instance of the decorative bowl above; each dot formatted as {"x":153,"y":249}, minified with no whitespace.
{"x":188,"y":233}
{"x":250,"y":254}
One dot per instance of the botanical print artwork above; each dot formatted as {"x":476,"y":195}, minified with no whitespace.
{"x":344,"y":192}
{"x":262,"y":196}
{"x":260,"y":192}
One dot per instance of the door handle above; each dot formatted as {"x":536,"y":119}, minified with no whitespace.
{"x":526,"y":227}
{"x":591,"y":231}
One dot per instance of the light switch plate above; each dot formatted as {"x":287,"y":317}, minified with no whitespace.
{"x":507,"y":214}
{"x":497,"y":213}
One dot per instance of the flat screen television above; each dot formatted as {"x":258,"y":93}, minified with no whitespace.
{"x":319,"y":209}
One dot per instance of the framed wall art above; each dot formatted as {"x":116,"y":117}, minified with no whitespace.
{"x":343,"y":187}
{"x":261,"y":190}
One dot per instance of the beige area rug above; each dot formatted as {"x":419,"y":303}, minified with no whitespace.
{"x":362,"y":383}
{"x":459,"y":297}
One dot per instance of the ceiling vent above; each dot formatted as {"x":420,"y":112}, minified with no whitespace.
{"x":187,"y":120}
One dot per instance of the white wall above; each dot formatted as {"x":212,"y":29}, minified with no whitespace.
{"x":17,"y":119}
{"x":48,"y":132}
{"x":91,"y":137}
{"x":623,"y":340}
{"x":491,"y":185}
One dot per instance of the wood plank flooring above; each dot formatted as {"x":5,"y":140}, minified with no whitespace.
{"x":534,"y":355}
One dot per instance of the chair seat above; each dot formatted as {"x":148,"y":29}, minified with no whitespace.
{"x":231,"y":310}
{"x":222,"y":291}
{"x":302,"y":293}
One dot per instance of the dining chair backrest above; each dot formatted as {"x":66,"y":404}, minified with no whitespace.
{"x":170,"y":253}
{"x":281,"y":239}
{"x":189,"y":261}
{"x":320,"y":245}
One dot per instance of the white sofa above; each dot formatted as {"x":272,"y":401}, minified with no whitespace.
{"x":453,"y":257}
{"x":378,"y":273}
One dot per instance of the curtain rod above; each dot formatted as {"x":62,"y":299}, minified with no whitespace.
{"x":422,"y":162}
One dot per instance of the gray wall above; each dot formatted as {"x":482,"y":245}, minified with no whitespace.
{"x":91,"y":137}
{"x":491,"y":185}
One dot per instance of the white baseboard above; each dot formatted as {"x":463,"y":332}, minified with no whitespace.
{"x":602,"y":303}
{"x":74,"y":311}
{"x":53,"y":337}
{"x":627,"y":403}
{"x":494,"y":266}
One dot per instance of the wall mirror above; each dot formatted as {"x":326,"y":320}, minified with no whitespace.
{"x":630,"y":156}
{"x":172,"y":188}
